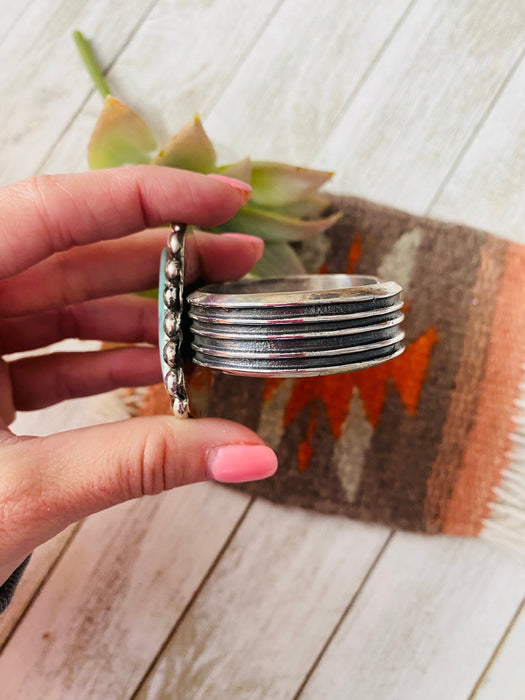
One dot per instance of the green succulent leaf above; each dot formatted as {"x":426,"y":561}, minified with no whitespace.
{"x":312,"y":207}
{"x":273,"y":227}
{"x":279,"y":184}
{"x":189,"y":149}
{"x":241,"y":170}
{"x":120,"y":137}
{"x":278,"y":259}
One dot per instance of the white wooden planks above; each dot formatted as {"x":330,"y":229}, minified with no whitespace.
{"x":291,"y":90}
{"x":487,"y":188}
{"x":268,"y":608}
{"x":116,"y":595}
{"x":423,"y":99}
{"x":424,"y":625}
{"x":10,"y":13}
{"x":42,"y":561}
{"x":505,"y":676}
{"x":42,"y":81}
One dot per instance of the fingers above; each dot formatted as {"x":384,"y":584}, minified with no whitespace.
{"x":47,"y":379}
{"x":116,"y":267}
{"x":47,"y":483}
{"x":51,"y":213}
{"x":217,"y":258}
{"x":122,"y":319}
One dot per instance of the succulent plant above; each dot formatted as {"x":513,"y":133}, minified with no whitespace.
{"x":285,"y":206}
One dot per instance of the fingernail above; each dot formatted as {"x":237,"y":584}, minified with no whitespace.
{"x":234,"y":463}
{"x":239,"y":185}
{"x":256,"y":243}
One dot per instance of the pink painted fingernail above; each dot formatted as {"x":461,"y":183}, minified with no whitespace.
{"x":237,"y":462}
{"x":239,"y":185}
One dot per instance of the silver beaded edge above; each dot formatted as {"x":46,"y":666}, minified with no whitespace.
{"x":173,"y":297}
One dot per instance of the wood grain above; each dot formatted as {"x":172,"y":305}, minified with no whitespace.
{"x":423,"y":100}
{"x":10,"y":13}
{"x":290,"y":92}
{"x":47,"y":77}
{"x":505,"y":672}
{"x":486,"y":189}
{"x":115,"y":597}
{"x":424,"y":624}
{"x":42,"y":561}
{"x":268,"y":608}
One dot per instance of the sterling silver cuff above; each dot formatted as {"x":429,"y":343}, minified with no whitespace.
{"x":296,"y":326}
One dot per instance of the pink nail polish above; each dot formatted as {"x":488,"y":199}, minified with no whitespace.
{"x":239,"y":462}
{"x":239,"y":185}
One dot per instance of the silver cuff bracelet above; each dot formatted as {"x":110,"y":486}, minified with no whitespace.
{"x":295,"y":326}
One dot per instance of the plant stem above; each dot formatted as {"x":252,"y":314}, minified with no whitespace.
{"x":88,"y":59}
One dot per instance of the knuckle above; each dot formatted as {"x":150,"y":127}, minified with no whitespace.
{"x":149,"y":476}
{"x":162,"y":463}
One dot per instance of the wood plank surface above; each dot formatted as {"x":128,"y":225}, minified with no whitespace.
{"x":505,"y":675}
{"x":425,"y":97}
{"x":10,"y":13}
{"x":114,"y":598}
{"x":308,"y":64}
{"x":486,"y":189}
{"x":42,"y":561}
{"x":268,"y":608}
{"x":41,"y":68}
{"x":424,"y":624}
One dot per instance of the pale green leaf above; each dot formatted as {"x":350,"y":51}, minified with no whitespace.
{"x":312,"y":207}
{"x":241,"y":170}
{"x":279,"y":184}
{"x":120,"y":137}
{"x":189,"y":149}
{"x":278,"y":259}
{"x":276,"y":227}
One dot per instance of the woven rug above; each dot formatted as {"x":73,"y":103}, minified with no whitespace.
{"x":432,"y":441}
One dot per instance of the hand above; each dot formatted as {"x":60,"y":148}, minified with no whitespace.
{"x":67,"y":262}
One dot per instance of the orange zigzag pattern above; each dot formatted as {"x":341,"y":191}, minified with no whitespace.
{"x":406,"y":372}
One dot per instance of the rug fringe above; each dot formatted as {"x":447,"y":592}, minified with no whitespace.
{"x":505,"y":526}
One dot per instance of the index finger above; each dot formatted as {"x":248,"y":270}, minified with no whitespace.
{"x":51,"y":213}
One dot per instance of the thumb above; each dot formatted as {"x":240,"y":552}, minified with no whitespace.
{"x":48,"y":483}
